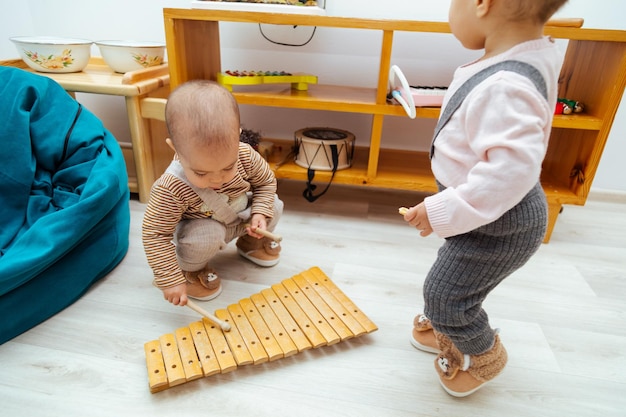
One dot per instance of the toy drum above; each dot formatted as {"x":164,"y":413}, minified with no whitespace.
{"x":315,"y":147}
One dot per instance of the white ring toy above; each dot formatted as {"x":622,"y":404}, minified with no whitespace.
{"x":401,"y":91}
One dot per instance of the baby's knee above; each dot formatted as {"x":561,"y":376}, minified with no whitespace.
{"x":198,"y":241}
{"x":195,"y":256}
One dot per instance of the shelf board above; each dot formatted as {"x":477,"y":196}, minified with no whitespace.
{"x":555,"y":30}
{"x":577,"y":121}
{"x":305,"y":20}
{"x":404,"y":170}
{"x":362,"y":100}
{"x":397,"y":169}
{"x":324,"y":97}
{"x":560,"y":193}
{"x":282,"y":161}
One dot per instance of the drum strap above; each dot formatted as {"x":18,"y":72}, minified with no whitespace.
{"x":310,"y":187}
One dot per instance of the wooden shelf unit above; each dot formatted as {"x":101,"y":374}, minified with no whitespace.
{"x":594,"y":72}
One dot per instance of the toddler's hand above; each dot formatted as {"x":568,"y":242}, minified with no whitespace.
{"x":176,"y":295}
{"x":417,"y":217}
{"x":257,"y":221}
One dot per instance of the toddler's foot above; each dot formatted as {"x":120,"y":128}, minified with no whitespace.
{"x":203,"y":285}
{"x":263,"y":252}
{"x":461,"y":375}
{"x":423,"y":335}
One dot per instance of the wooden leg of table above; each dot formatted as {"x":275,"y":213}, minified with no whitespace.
{"x":142,"y":147}
{"x":553,"y":213}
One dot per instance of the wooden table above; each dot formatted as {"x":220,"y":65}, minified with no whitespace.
{"x":147,"y":155}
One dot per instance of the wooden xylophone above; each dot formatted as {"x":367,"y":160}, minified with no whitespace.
{"x":302,"y":312}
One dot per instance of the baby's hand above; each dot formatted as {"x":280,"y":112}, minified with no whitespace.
{"x":176,"y":295}
{"x":257,"y":221}
{"x":416,"y":216}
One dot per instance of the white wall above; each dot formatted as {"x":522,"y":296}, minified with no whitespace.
{"x":336,"y":57}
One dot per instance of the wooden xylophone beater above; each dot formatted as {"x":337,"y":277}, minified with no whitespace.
{"x":303,"y":312}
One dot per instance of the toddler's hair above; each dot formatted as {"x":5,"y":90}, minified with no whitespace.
{"x":539,"y":10}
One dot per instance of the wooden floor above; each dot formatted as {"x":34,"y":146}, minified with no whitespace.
{"x":562,"y":320}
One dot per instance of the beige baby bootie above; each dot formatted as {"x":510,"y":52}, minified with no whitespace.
{"x":203,"y":285}
{"x":423,"y":335}
{"x":263,"y":252}
{"x":461,"y":375}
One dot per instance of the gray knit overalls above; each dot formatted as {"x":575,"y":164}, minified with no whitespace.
{"x":470,"y":265}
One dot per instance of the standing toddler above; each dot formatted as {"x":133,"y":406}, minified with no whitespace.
{"x":486,"y":156}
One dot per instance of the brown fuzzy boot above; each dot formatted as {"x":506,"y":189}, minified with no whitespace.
{"x":203,"y":285}
{"x":423,"y":335}
{"x":263,"y":252}
{"x":461,"y":375}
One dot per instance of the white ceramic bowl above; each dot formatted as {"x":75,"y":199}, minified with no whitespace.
{"x":53,"y":54}
{"x":124,"y":56}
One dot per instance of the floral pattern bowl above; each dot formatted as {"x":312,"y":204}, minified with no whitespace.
{"x":53,"y":54}
{"x":124,"y":56}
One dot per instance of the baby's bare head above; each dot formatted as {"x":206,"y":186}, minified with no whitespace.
{"x":202,"y":113}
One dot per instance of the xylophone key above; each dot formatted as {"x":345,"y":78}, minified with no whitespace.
{"x":291,"y":326}
{"x":287,"y":346}
{"x":340,"y":310}
{"x":261,"y":329}
{"x":157,"y":377}
{"x":312,"y":312}
{"x":367,"y":324}
{"x":220,"y":346}
{"x":304,"y":322}
{"x":171,"y":358}
{"x":206,"y":355}
{"x":188,"y":355}
{"x":332,"y":318}
{"x":235,"y":339}
{"x":252,"y":342}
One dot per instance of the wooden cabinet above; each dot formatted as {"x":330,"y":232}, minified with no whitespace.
{"x":594,"y":72}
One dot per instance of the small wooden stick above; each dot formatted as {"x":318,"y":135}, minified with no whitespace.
{"x":265,"y":233}
{"x":195,"y":307}
{"x":403,"y":210}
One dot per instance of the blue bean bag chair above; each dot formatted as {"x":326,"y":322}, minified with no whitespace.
{"x":64,"y":201}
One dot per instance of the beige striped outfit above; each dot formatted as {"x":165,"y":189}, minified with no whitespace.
{"x":179,"y":231}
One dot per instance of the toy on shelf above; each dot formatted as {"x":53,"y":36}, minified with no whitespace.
{"x":298,"y":81}
{"x":410,"y":96}
{"x":565,"y":106}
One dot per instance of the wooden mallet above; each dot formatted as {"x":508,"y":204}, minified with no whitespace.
{"x":265,"y":233}
{"x":195,"y":307}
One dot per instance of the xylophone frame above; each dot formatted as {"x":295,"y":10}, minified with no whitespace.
{"x":303,"y":312}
